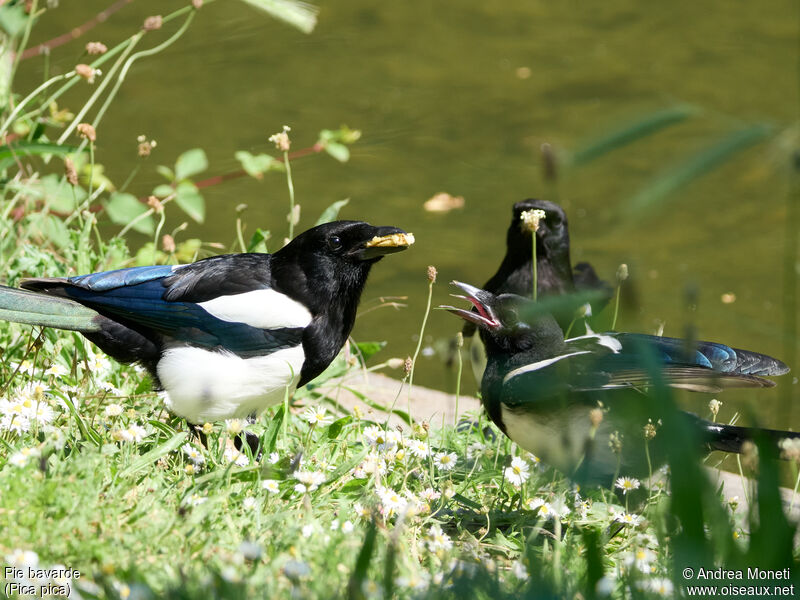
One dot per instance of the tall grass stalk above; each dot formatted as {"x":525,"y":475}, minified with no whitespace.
{"x":431,"y":281}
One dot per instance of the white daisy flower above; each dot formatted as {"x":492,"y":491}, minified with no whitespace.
{"x":627,"y":518}
{"x":56,"y":370}
{"x":273,"y":458}
{"x":271,"y":485}
{"x":98,"y":363}
{"x":391,"y":500}
{"x":519,"y":472}
{"x":317,"y":415}
{"x":445,"y":461}
{"x":307,"y":530}
{"x":238,"y":458}
{"x":249,"y":503}
{"x":44,"y":413}
{"x":437,"y":540}
{"x":661,"y":586}
{"x":113,"y":410}
{"x":418,"y":448}
{"x":26,"y":367}
{"x":22,"y":558}
{"x":312,"y":479}
{"x":430,"y":494}
{"x":640,"y":558}
{"x":627,"y":484}
{"x":110,"y":388}
{"x":193,"y":454}
{"x":300,"y":488}
{"x":21,"y":458}
{"x":519,"y":570}
{"x":234,"y":426}
{"x":15,"y":423}
{"x":361,"y":511}
{"x":347,"y":527}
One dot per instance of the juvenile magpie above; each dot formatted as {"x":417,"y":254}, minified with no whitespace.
{"x":225,"y":336}
{"x":555,"y":274}
{"x":543,"y":391}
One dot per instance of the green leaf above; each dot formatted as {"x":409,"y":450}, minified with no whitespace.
{"x":153,"y":455}
{"x":257,"y":165}
{"x":630,"y":132}
{"x":191,"y":201}
{"x":165,"y":172}
{"x":34,"y":148}
{"x":124,"y":208}
{"x":13,"y":18}
{"x":53,"y":191}
{"x":49,"y":228}
{"x":338,"y":151}
{"x":335,"y":428}
{"x":258,"y":241}
{"x":330,"y":213}
{"x":190,"y":163}
{"x":301,"y":15}
{"x":163,"y":190}
{"x":695,"y":166}
{"x":369,"y":349}
{"x":270,"y":437}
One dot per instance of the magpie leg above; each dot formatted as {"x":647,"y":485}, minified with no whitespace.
{"x":249,"y":438}
{"x":201,"y":435}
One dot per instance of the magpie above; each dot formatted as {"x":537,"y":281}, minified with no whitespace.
{"x":228,"y":335}
{"x":573,"y":402}
{"x":555,"y":274}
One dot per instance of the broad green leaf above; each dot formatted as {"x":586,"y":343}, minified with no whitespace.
{"x":163,"y":190}
{"x":153,"y":455}
{"x":191,"y":201}
{"x":95,"y":175}
{"x":34,"y":148}
{"x":338,"y":151}
{"x":53,"y":190}
{"x":368,"y":349}
{"x":258,"y":241}
{"x":50,"y":229}
{"x":124,"y":208}
{"x":165,"y":172}
{"x":332,"y":212}
{"x":190,"y":163}
{"x":187,"y":251}
{"x":335,"y":428}
{"x":13,"y":18}
{"x":301,"y":15}
{"x":630,"y":132}
{"x":257,"y":165}
{"x":695,"y":166}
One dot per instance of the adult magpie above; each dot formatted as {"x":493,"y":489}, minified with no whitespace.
{"x":225,"y":336}
{"x":565,"y":400}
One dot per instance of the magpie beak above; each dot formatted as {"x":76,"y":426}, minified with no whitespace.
{"x":483,"y":315}
{"x":387,"y":240}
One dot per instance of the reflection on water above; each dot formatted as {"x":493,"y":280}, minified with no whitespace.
{"x":457,"y":98}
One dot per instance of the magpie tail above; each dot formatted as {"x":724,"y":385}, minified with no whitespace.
{"x":730,"y":438}
{"x":21,"y":306}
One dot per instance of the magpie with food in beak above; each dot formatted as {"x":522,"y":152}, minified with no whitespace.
{"x":225,"y":336}
{"x":565,"y":400}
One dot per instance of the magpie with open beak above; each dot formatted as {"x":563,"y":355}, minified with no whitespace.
{"x":225,"y":336}
{"x":565,"y":399}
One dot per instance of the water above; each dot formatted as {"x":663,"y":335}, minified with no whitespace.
{"x":458,"y":97}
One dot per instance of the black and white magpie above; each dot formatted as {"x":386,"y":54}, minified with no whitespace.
{"x":225,"y":336}
{"x":541,"y":389}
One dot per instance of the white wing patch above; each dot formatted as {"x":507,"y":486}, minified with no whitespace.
{"x":205,"y":385}
{"x":264,"y":309}
{"x":540,"y":365}
{"x":607,"y":341}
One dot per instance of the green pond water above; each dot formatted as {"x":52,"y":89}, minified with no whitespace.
{"x":458,"y":97}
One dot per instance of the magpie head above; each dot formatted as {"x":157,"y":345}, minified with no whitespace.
{"x":500,"y":320}
{"x":552,"y":236}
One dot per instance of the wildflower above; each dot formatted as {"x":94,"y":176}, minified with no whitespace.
{"x":20,"y":459}
{"x":208,"y":428}
{"x":96,"y":48}
{"x":56,"y":370}
{"x":25,"y":367}
{"x":87,"y":72}
{"x":44,"y":413}
{"x":153,"y":23}
{"x":236,"y":457}
{"x":596,"y":416}
{"x":661,"y":586}
{"x":281,"y":139}
{"x":445,"y":461}
{"x":437,"y":540}
{"x":622,"y":273}
{"x":519,"y":570}
{"x":273,"y":458}
{"x":312,"y":479}
{"x":195,"y":500}
{"x":641,"y":558}
{"x":361,"y":511}
{"x":15,"y":423}
{"x":391,"y":500}
{"x":535,"y":460}
{"x":626,"y":518}
{"x":22,"y":558}
{"x":97,"y":362}
{"x":316,"y":415}
{"x":134,"y":433}
{"x":271,"y":486}
{"x":190,"y":469}
{"x":518,"y":473}
{"x":382,"y":440}
{"x":300,"y":488}
{"x":87,"y":131}
{"x":234,"y":426}
{"x":430,"y":494}
{"x":145,"y":147}
{"x":714,"y":406}
{"x":408,"y":365}
{"x":627,"y":484}
{"x":110,"y":388}
{"x":307,"y":530}
{"x":418,"y":448}
{"x":615,"y":442}
{"x":193,"y":454}
{"x":432,"y":273}
{"x":476,"y":448}
{"x":649,"y":431}
{"x":529,"y":219}
{"x":347,"y":527}
{"x":156,"y":204}
{"x":249,"y":503}
{"x":113,"y":410}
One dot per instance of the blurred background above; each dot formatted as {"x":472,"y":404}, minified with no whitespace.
{"x":458,"y":97}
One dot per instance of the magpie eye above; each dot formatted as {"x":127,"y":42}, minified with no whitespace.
{"x":334,"y":242}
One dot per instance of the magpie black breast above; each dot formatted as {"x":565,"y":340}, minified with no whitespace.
{"x":226,"y":336}
{"x":565,"y":400}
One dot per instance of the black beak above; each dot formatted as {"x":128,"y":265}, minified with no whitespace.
{"x":483,"y":315}
{"x":386,"y":240}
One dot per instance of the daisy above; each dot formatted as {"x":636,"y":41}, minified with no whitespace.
{"x":640,"y":558}
{"x":22,"y":558}
{"x":347,"y":527}
{"x":627,"y":518}
{"x":392,"y":500}
{"x":236,"y":457}
{"x":44,"y":413}
{"x":518,"y":473}
{"x":234,"y":426}
{"x":56,"y":370}
{"x":437,"y":540}
{"x":361,"y":511}
{"x":430,"y":494}
{"x":193,"y":454}
{"x":273,"y":458}
{"x":20,"y":459}
{"x":98,"y":363}
{"x":627,"y":484}
{"x":661,"y":586}
{"x":113,"y":410}
{"x":445,"y":461}
{"x":271,"y":486}
{"x":519,"y":570}
{"x":316,"y":415}
{"x":312,"y":479}
{"x":25,"y":367}
{"x":249,"y":503}
{"x":418,"y":448}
